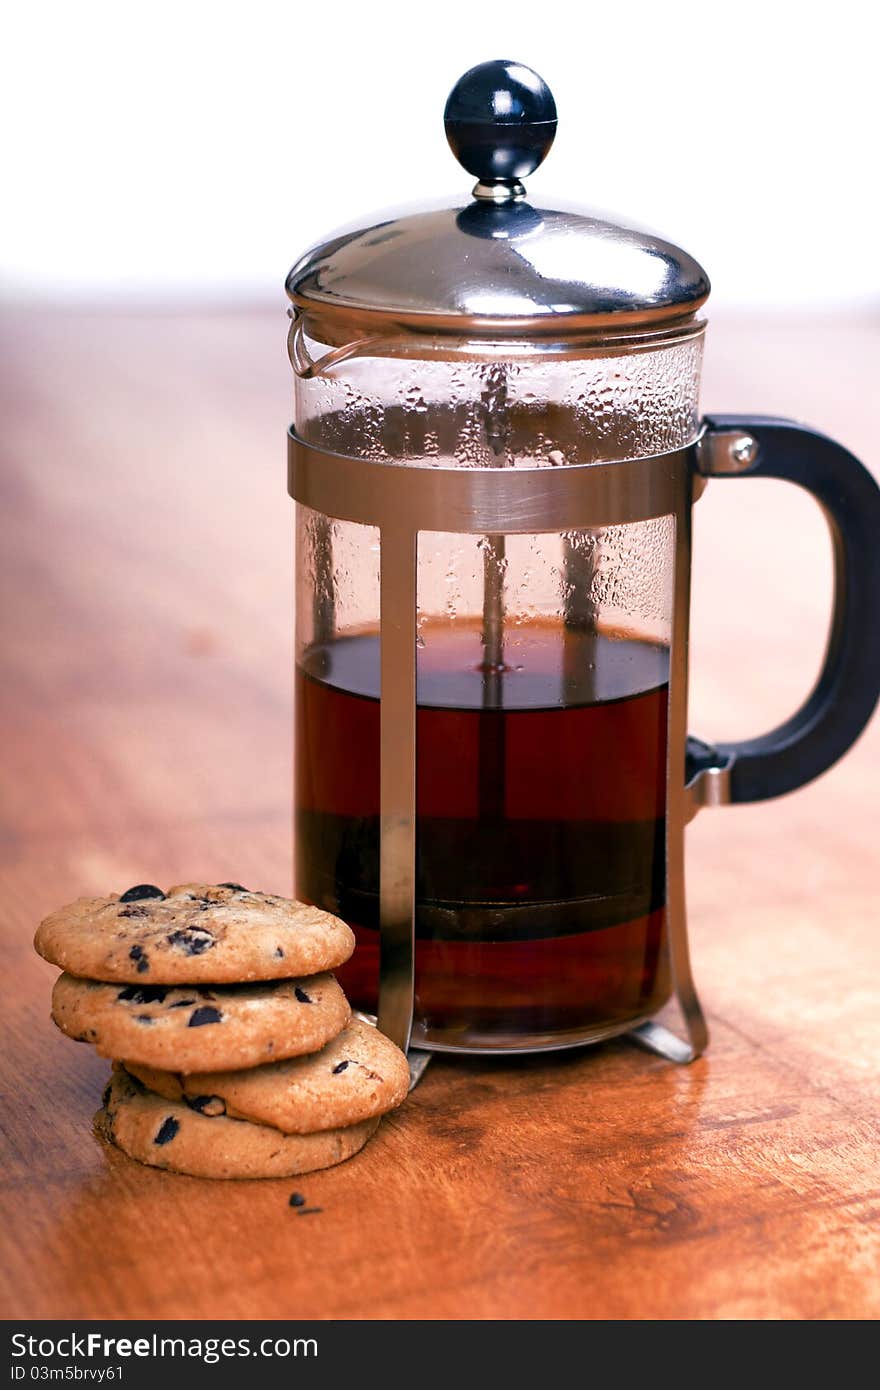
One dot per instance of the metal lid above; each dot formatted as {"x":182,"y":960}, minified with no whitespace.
{"x":498,"y":262}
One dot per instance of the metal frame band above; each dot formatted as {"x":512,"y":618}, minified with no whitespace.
{"x":402,"y":500}
{"x":486,"y":501}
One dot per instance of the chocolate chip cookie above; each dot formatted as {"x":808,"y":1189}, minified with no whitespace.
{"x":358,"y":1075}
{"x":195,"y":933}
{"x":195,"y":1028}
{"x":168,"y":1134}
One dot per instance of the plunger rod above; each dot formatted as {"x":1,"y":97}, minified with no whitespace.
{"x":492,"y":735}
{"x":494,"y":401}
{"x":493,"y":605}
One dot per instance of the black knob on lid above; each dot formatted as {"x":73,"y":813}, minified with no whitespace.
{"x":500,"y":121}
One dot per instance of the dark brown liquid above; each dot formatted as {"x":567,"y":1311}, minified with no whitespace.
{"x":540,"y":878}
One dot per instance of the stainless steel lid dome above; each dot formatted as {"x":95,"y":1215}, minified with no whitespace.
{"x":498,"y":263}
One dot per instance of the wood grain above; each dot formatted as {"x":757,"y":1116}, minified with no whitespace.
{"x":146,"y":580}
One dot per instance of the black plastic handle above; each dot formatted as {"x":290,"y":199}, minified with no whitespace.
{"x":845,"y":695}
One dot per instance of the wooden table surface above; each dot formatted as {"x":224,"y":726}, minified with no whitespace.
{"x":146,"y":696}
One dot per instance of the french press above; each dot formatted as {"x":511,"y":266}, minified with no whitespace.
{"x":496,"y":451}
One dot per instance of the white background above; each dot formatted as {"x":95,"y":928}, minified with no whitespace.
{"x":187,"y":148}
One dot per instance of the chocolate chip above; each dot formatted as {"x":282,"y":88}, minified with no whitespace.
{"x":205,"y":1014}
{"x":302,"y":996}
{"x":181,"y":1003}
{"x":206,"y":1105}
{"x":297,"y":1200}
{"x":144,"y":1018}
{"x":279,"y":954}
{"x":141,"y":890}
{"x":142,"y":994}
{"x":139,"y":954}
{"x":340,"y":1066}
{"x":167,"y":1130}
{"x":309,"y":1211}
{"x":193,"y":941}
{"x":236,"y":887}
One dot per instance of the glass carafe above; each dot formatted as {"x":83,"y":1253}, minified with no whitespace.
{"x":542,"y":692}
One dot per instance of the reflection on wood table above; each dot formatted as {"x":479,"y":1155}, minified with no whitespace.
{"x":147,"y":582}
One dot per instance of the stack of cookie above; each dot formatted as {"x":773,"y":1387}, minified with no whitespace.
{"x":235,"y":1051}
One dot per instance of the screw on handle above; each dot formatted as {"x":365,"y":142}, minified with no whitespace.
{"x":500,"y":121}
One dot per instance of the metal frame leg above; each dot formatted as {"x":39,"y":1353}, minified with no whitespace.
{"x":656,"y":1037}
{"x":397,"y":844}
